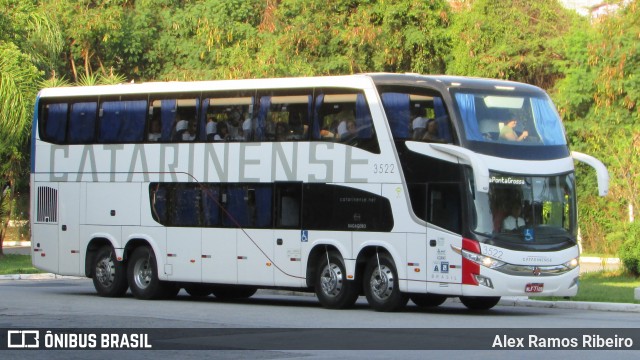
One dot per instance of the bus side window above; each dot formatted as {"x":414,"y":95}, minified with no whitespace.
{"x":54,"y":126}
{"x":122,"y":121}
{"x":82,"y":123}
{"x":444,"y":206}
{"x":343,"y":116}
{"x":211,"y":205}
{"x":288,"y":205}
{"x":228,"y":116}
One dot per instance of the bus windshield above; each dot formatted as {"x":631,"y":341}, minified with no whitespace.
{"x":509,"y":117}
{"x":527,"y":210}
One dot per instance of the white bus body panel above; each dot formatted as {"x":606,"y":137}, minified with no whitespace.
{"x":69,"y":228}
{"x":184,"y":254}
{"x":288,"y":258}
{"x":44,"y":250}
{"x":114,"y":203}
{"x":219,"y":262}
{"x":416,"y":262}
{"x":444,"y":265}
{"x":255,"y":251}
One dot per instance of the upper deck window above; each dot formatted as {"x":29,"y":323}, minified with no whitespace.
{"x":499,"y":117}
{"x":414,"y":114}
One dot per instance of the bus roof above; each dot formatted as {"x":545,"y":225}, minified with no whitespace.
{"x":354,"y":81}
{"x":360,"y":81}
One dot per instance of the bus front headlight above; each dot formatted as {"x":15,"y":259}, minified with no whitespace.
{"x":571,"y":264}
{"x":479,"y":259}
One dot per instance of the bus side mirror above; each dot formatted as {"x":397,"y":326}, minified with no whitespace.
{"x":601,"y":170}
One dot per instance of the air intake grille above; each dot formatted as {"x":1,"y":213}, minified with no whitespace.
{"x":47,"y":205}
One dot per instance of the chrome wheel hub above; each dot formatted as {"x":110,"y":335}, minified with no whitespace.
{"x":331,"y":280}
{"x":382,"y":282}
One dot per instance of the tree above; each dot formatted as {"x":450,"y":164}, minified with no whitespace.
{"x":348,"y":36}
{"x":24,"y":29}
{"x":599,"y":99}
{"x":511,"y":39}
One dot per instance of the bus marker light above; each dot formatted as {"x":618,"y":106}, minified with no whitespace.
{"x":416,"y":270}
{"x":349,"y":276}
{"x":42,"y":255}
{"x":193,"y":261}
{"x":268,"y":264}
{"x":119,"y":258}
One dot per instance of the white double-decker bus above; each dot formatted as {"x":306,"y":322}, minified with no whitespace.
{"x":391,"y":186}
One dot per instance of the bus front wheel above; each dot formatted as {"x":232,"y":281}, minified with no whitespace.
{"x":479,"y":302}
{"x":143,"y":276}
{"x":109,"y":276}
{"x":332,"y":288}
{"x":381,"y":284}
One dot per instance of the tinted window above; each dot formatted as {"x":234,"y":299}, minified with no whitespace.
{"x":332,"y":207}
{"x":122,"y":121}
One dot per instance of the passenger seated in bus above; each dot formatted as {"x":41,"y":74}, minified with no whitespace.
{"x":514,"y":220}
{"x":154,"y":132}
{"x":349,"y":132}
{"x":222,"y":134}
{"x":508,"y":133}
{"x":431,"y":134}
{"x":419,"y":126}
{"x":282,"y":132}
{"x":247,"y":128}
{"x":211,"y":129}
{"x":182,"y":127}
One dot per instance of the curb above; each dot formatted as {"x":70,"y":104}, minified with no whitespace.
{"x":42,"y":276}
{"x":575,"y":305}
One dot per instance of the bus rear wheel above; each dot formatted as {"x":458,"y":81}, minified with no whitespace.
{"x":381,"y":285}
{"x":109,"y":276}
{"x":143,"y":276}
{"x":479,"y":302}
{"x":332,"y":288}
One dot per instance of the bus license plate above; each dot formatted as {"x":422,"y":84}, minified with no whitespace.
{"x":534,"y":288}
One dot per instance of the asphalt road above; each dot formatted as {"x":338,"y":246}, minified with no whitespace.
{"x":284,"y":326}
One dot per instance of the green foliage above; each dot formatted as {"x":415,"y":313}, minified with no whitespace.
{"x":18,"y":79}
{"x":630,"y":249}
{"x":511,"y":39}
{"x":356,"y":36}
{"x":598,"y":99}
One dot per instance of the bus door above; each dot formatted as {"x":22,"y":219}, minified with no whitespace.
{"x":444,"y":265}
{"x":288,"y":236}
{"x":69,"y":228}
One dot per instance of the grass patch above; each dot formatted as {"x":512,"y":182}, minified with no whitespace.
{"x":603,"y":286}
{"x":17,"y":264}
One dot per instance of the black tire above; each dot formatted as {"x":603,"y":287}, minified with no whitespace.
{"x":479,"y":302}
{"x":332,"y":288}
{"x":381,"y":285}
{"x":427,"y":300}
{"x":233,"y":292}
{"x":109,"y":275}
{"x":142,"y":272}
{"x":198,"y":290}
